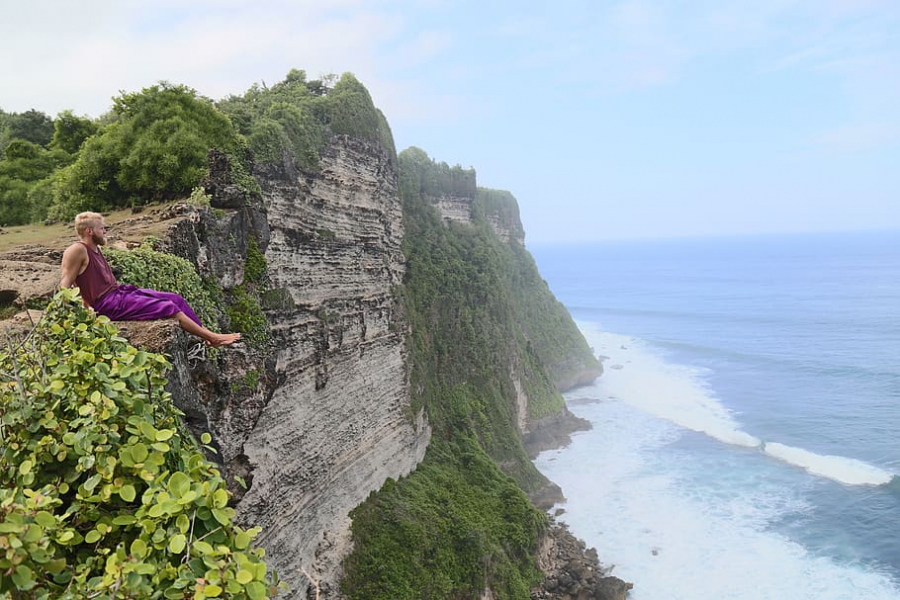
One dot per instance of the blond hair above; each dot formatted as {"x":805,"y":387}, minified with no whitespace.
{"x":87,"y":220}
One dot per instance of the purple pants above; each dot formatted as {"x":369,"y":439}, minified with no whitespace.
{"x":129,"y":303}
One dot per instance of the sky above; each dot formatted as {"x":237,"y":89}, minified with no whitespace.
{"x":606,"y":119}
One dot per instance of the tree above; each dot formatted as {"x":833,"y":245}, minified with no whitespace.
{"x":31,"y":125}
{"x":25,"y":164}
{"x":70,"y":131}
{"x":156,"y":148}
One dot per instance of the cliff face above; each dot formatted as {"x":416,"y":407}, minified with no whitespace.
{"x":337,"y":424}
{"x":321,"y":417}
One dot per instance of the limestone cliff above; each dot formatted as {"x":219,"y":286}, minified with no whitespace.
{"x":329,"y":421}
{"x":327,"y":406}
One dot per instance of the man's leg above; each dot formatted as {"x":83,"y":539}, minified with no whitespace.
{"x":213,"y":339}
{"x":178,"y":301}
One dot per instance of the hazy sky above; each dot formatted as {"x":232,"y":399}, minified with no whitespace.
{"x":606,"y":119}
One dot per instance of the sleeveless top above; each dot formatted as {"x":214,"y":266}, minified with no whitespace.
{"x":97,"y":279}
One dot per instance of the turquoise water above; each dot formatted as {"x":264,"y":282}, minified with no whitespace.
{"x":745,"y":431}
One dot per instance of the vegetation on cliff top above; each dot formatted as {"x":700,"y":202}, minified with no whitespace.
{"x":103,"y":493}
{"x":459,"y":524}
{"x":154,"y":144}
{"x":292,"y":120}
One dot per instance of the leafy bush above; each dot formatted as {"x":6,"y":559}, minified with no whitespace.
{"x":31,"y":125}
{"x":247,"y":316}
{"x":353,"y":113}
{"x":22,"y":169}
{"x":156,"y":148}
{"x":144,"y":267}
{"x":455,"y":525}
{"x":103,"y":494}
{"x":294,"y":118}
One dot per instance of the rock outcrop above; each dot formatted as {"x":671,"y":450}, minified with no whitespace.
{"x":573,"y":571}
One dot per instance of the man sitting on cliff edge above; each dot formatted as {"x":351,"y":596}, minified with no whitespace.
{"x":83,"y":265}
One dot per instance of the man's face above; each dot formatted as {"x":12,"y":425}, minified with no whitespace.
{"x":98,"y":234}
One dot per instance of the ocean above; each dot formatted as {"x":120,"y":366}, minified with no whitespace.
{"x":745,"y":432}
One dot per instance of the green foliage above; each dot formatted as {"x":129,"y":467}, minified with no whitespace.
{"x":199,"y":197}
{"x":246,"y":316}
{"x":31,"y":125}
{"x":455,"y":525}
{"x":498,"y":205}
{"x":102,"y":493}
{"x":144,"y":267}
{"x":155,"y":149}
{"x":421,"y":177}
{"x":292,"y":120}
{"x":70,"y":131}
{"x":244,"y":308}
{"x":24,"y":167}
{"x":255,"y":266}
{"x":280,"y":122}
{"x":353,"y":113}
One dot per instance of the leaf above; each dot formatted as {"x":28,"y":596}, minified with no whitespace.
{"x":164,"y":434}
{"x":179,"y":484}
{"x":220,"y":498}
{"x":148,"y":431}
{"x":25,"y":467}
{"x":205,"y":438}
{"x":256,"y":590}
{"x":177,"y":543}
{"x":124,"y":520}
{"x":244,"y":576}
{"x":242,"y":540}
{"x":23,"y":578}
{"x":212,"y":590}
{"x":45,"y":519}
{"x":92,"y":482}
{"x":139,"y":548}
{"x":34,"y":533}
{"x":188,"y":497}
{"x":55,"y":566}
{"x":139,"y":453}
{"x":127,"y":493}
{"x":92,"y":536}
{"x":203,"y":548}
{"x":221,"y":516}
{"x":183,"y":523}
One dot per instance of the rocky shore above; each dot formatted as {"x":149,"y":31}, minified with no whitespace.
{"x":573,"y":571}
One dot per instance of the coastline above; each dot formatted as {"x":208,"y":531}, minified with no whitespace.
{"x":572,"y":570}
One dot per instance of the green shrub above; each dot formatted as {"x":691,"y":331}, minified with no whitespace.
{"x":156,"y":148}
{"x":103,"y":494}
{"x":247,"y":317}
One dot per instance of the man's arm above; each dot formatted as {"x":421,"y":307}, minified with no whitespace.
{"x":74,"y":262}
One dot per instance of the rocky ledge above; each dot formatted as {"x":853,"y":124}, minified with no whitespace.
{"x":574,"y":571}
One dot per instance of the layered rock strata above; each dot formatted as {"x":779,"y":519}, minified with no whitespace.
{"x":337,"y":424}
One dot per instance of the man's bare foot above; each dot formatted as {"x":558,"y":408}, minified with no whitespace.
{"x":223,"y":339}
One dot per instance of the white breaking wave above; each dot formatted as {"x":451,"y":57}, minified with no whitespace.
{"x":678,"y":394}
{"x":838,"y":468}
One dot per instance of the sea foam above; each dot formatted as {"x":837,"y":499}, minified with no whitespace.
{"x":638,"y":376}
{"x":638,"y":507}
